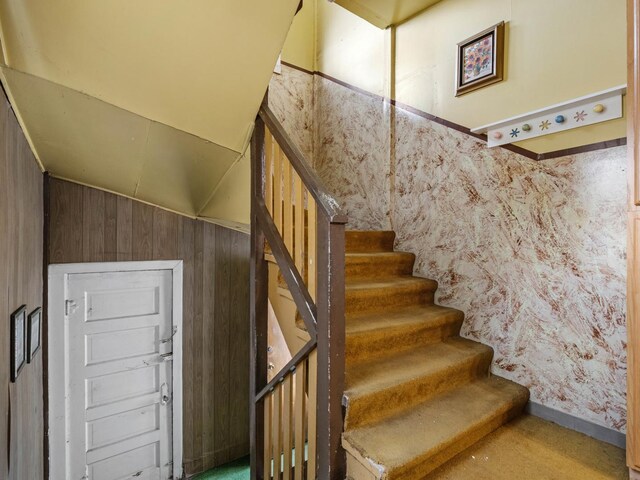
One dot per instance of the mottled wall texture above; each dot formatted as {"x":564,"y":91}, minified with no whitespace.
{"x":533,"y":252}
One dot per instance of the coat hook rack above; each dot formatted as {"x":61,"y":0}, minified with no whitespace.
{"x":579,"y":112}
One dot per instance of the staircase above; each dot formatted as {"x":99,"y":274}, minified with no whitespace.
{"x":416,"y":393}
{"x":376,"y":366}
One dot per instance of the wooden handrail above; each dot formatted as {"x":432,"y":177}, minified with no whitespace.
{"x":326,"y":202}
{"x":303,"y":224}
{"x":300,"y":295}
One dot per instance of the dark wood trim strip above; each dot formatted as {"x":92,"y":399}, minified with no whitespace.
{"x":462,"y":129}
{"x":618,"y":142}
{"x":324,"y":200}
{"x":296,"y":67}
{"x":297,"y":287}
{"x":289,"y":368}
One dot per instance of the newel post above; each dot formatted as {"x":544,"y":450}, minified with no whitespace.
{"x":331,"y":348}
{"x":258,"y":297}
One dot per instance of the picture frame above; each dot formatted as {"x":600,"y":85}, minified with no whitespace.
{"x":34,"y":329}
{"x":480,"y":60}
{"x":18,"y":337}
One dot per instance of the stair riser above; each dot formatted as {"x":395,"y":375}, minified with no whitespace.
{"x":370,"y":267}
{"x":385,"y":403}
{"x":420,"y":470}
{"x":368,"y":301}
{"x":369,"y":241}
{"x":386,"y":342}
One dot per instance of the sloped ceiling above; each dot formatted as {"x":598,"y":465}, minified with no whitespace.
{"x":383,"y":13}
{"x":153,"y":99}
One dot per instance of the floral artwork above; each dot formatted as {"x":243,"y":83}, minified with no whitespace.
{"x":478,"y":59}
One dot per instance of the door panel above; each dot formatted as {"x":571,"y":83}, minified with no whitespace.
{"x":119,"y":390}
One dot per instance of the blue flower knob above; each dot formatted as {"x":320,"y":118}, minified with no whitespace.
{"x":560,"y":119}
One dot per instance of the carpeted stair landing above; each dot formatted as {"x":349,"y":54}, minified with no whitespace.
{"x":417,"y":394}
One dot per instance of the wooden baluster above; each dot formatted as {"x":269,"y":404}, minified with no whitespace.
{"x":287,"y":228}
{"x":311,"y":250}
{"x":277,"y":432}
{"x":277,"y":187}
{"x":268,"y":426}
{"x":299,"y":225}
{"x":312,"y":414}
{"x":268,"y":156}
{"x":300,"y":418}
{"x":287,"y":426}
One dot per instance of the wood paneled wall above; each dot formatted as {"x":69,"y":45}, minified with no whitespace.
{"x":21,"y":232}
{"x":88,"y":225}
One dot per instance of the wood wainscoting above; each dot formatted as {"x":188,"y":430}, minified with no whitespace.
{"x":89,"y":225}
{"x":21,"y":233}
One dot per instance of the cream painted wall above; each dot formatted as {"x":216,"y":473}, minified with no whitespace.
{"x":299,"y":48}
{"x":350,"y":48}
{"x":555,"y":51}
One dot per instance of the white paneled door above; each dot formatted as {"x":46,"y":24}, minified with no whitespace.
{"x":119,"y":338}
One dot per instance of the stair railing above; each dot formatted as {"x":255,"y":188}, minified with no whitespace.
{"x":297,"y":417}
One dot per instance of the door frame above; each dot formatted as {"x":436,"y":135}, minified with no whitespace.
{"x":57,"y":279}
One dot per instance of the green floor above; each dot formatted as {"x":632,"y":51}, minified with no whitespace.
{"x":238,"y":470}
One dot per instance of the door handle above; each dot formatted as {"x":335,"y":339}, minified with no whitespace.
{"x":164,"y":394}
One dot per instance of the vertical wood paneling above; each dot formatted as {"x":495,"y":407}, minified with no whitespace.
{"x":92,"y":225}
{"x":66,"y":234}
{"x":239,"y":348}
{"x":186,"y":252}
{"x":198,"y":344}
{"x":110,"y":228}
{"x":21,"y":241}
{"x":211,"y":369}
{"x":4,"y":306}
{"x":222,"y":339}
{"x":165,"y":235}
{"x":215,"y":303}
{"x":142,"y":231}
{"x":124,"y":229}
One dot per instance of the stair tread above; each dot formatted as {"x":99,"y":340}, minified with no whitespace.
{"x":402,"y":316}
{"x":378,"y":255}
{"x":394,"y":282}
{"x":414,"y":437}
{"x":369,"y":241}
{"x":382,"y":374}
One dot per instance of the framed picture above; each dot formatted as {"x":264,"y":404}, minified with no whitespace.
{"x":18,"y":339}
{"x":480,"y":60}
{"x":33,"y":333}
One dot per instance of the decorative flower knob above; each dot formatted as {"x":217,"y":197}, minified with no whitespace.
{"x":599,"y":108}
{"x":560,"y":119}
{"x":526,"y":127}
{"x":497,"y":135}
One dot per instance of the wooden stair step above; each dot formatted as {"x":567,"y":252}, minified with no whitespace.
{"x":412,"y":444}
{"x":378,"y":264}
{"x":369,"y":241}
{"x":378,"y":334}
{"x":388,"y":293}
{"x":379,"y":388}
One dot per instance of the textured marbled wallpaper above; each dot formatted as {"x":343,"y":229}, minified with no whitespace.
{"x":534,"y":253}
{"x":291,"y":100}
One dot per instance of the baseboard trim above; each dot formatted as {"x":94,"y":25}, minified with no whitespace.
{"x":593,"y":430}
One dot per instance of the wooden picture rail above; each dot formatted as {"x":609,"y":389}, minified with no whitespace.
{"x":297,"y":417}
